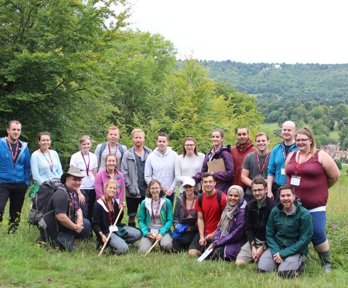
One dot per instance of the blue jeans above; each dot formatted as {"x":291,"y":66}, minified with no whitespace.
{"x":65,"y":240}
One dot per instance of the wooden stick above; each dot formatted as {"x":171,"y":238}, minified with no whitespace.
{"x":153,"y":245}
{"x":107,"y":239}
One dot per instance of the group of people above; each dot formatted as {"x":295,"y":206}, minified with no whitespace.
{"x":243,"y":203}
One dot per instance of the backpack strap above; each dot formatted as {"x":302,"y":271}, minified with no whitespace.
{"x":102,"y":148}
{"x":219,"y":196}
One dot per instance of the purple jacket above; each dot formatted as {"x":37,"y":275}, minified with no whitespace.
{"x":223,"y":178}
{"x":235,"y":239}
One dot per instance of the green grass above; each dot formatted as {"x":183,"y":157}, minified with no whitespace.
{"x":25,"y":265}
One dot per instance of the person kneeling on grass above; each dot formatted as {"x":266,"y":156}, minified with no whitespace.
{"x":155,"y":217}
{"x":288,"y":233}
{"x":64,"y":221}
{"x":230,"y":232}
{"x":105,"y":212}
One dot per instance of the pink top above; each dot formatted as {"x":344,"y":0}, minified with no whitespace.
{"x":102,"y":177}
{"x":313,"y":190}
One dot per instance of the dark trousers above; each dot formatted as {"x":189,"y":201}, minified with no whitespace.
{"x":16,"y":193}
{"x":87,"y":207}
{"x":184,"y":242}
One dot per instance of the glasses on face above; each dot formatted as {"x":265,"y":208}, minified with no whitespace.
{"x":257,"y":190}
{"x":302,"y":140}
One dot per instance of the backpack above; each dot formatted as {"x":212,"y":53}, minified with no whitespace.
{"x":102,"y":148}
{"x":219,"y":196}
{"x":41,"y":200}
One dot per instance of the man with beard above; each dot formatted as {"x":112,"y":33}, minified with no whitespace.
{"x":160,"y":165}
{"x":255,"y":164}
{"x":133,"y":166}
{"x":256,"y":216}
{"x":276,"y":167}
{"x":288,"y":233}
{"x":14,"y":173}
{"x":243,"y":147}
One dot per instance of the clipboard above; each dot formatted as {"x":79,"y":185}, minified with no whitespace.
{"x":206,"y":253}
{"x":216,"y":165}
{"x":190,"y":221}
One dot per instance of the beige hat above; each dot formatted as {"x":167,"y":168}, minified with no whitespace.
{"x":73,"y":171}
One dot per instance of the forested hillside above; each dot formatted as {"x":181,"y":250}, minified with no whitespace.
{"x":312,"y":94}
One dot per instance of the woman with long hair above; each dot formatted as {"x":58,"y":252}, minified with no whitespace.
{"x":312,"y":172}
{"x":106,"y":210}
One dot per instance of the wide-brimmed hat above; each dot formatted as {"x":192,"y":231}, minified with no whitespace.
{"x":73,"y":171}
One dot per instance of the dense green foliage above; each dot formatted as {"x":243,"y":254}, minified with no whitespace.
{"x":64,"y":70}
{"x":309,"y":94}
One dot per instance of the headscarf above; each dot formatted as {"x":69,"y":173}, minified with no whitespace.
{"x":229,"y":211}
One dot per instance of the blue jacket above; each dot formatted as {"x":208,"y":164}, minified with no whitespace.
{"x":277,"y":162}
{"x":14,"y":172}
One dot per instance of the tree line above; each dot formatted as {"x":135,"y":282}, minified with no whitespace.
{"x":75,"y":67}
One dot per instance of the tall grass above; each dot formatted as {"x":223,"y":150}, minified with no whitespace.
{"x":22,"y":264}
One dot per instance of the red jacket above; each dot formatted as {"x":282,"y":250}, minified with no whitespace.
{"x":239,"y":153}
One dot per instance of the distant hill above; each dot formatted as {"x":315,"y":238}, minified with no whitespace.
{"x":309,"y":94}
{"x":327,"y":84}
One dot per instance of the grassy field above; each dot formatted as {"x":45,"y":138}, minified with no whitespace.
{"x":25,"y":265}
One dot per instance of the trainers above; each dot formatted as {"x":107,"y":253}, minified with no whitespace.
{"x":327,"y":267}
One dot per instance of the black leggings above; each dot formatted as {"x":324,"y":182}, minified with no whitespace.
{"x":16,"y":193}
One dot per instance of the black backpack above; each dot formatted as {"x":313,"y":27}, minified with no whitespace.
{"x":42,"y":198}
{"x":219,"y":196}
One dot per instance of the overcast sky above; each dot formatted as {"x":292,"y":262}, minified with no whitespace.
{"x":251,"y":31}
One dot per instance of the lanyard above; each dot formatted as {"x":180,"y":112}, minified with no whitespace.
{"x":154,"y":214}
{"x":110,"y":148}
{"x":13,"y":153}
{"x":261,"y":167}
{"x":87,"y":165}
{"x":110,"y":212}
{"x":187,"y":211}
{"x":49,"y":161}
{"x":283,"y":151}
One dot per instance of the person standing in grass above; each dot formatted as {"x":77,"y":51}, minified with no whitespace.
{"x":105,"y":212}
{"x":14,"y":173}
{"x":288,"y":232}
{"x":155,"y":217}
{"x":44,"y":162}
{"x":230,"y":232}
{"x":256,"y":216}
{"x":189,"y":163}
{"x":86,"y":161}
{"x":219,"y":151}
{"x":312,"y":172}
{"x":185,"y":217}
{"x":133,"y":167}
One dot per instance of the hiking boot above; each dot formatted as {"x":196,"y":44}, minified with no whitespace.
{"x":325,"y":259}
{"x":12,"y":228}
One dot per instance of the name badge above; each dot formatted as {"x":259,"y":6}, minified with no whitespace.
{"x":113,"y":228}
{"x":282,"y":171}
{"x":154,"y":231}
{"x":295,"y":180}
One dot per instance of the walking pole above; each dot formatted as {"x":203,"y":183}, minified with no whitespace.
{"x":107,"y":239}
{"x":153,"y":245}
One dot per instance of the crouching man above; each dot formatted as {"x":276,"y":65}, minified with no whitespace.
{"x":64,"y":218}
{"x":288,"y":233}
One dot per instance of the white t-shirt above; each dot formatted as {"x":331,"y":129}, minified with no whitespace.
{"x":82,"y":163}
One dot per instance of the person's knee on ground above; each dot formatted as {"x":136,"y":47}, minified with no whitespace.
{"x":194,"y":252}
